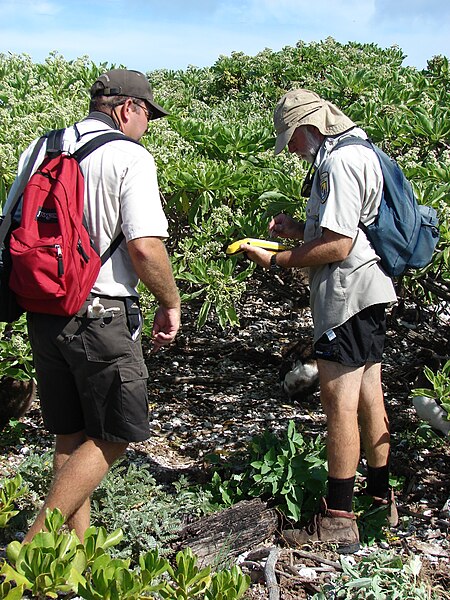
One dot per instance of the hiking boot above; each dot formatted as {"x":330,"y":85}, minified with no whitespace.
{"x":332,"y":526}
{"x":389,"y":502}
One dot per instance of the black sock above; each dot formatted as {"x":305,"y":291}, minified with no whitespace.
{"x":377,"y":481}
{"x":340,"y":493}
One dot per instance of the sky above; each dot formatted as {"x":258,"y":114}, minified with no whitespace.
{"x":173,"y":34}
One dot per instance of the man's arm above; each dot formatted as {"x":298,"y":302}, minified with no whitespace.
{"x":330,"y":247}
{"x":152,"y":266}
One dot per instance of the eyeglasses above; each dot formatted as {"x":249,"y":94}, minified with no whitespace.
{"x":148,"y":114}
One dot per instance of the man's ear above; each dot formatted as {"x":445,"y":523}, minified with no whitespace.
{"x":125,"y":109}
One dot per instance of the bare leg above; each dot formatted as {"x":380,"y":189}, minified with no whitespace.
{"x":339,"y":394}
{"x":78,"y":476}
{"x":65,"y":446}
{"x":373,"y":418}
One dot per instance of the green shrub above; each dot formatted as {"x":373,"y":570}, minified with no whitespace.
{"x":10,"y":491}
{"x":289,"y":471}
{"x":56,"y":563}
{"x":379,"y":576}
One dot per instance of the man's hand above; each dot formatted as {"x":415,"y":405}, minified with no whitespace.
{"x":286,"y":227}
{"x":258,"y":255}
{"x":165,"y":326}
{"x":152,"y":265}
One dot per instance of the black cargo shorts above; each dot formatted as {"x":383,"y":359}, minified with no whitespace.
{"x":91,"y":373}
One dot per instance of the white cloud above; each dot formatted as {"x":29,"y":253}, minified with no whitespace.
{"x":44,"y":8}
{"x":25,"y":8}
{"x":409,"y":12}
{"x":323,"y":13}
{"x":173,"y":48}
{"x":180,"y":33}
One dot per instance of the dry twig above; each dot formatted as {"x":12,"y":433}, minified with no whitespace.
{"x":269,"y":574}
{"x":315,"y":558}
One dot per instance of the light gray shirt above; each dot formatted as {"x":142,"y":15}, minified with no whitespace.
{"x":346,"y":190}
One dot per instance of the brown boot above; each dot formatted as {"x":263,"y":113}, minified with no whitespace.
{"x":389,"y":502}
{"x":332,"y":526}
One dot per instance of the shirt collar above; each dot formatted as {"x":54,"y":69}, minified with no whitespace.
{"x":103,"y":117}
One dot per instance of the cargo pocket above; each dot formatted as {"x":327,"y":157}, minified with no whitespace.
{"x":133,"y":386}
{"x":105,"y":339}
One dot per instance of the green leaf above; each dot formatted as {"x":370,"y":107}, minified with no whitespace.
{"x":10,"y":574}
{"x":15,"y":593}
{"x":203,"y":314}
{"x":12,"y":551}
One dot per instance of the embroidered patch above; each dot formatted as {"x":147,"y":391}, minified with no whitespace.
{"x":324,"y":186}
{"x":47,"y":215}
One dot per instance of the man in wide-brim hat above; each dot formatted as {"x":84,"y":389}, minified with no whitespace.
{"x":349,"y":295}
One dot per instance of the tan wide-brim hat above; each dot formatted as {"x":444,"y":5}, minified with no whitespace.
{"x":302,"y":107}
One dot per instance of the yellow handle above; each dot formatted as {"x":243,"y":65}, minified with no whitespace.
{"x":235,"y":247}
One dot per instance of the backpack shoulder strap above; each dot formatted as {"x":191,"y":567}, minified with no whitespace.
{"x":25,"y":175}
{"x":353,"y":140}
{"x":112,"y":248}
{"x":98,"y":141}
{"x":55,"y":142}
{"x":82,"y":153}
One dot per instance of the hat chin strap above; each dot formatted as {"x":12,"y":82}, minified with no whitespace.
{"x":114,"y":117}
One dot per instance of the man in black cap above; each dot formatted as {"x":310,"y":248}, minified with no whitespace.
{"x":121,"y":84}
{"x":92,"y":378}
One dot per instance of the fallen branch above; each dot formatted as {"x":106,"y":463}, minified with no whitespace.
{"x":438,"y":288}
{"x":287,"y":574}
{"x":269,"y":574}
{"x":288,"y":569}
{"x":202,"y":379}
{"x":315,"y":558}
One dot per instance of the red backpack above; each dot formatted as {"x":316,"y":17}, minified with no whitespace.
{"x":54,"y":261}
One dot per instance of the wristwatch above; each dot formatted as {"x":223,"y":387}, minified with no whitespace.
{"x":274,"y":266}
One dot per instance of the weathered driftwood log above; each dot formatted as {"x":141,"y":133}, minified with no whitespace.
{"x":216,"y":538}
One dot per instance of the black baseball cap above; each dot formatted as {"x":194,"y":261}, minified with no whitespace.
{"x":129,"y":83}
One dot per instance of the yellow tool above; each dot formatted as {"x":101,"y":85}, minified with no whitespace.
{"x":235,"y":247}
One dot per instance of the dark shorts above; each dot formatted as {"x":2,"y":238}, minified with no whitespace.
{"x":91,"y":372}
{"x":358,"y":341}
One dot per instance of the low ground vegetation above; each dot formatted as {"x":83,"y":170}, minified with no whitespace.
{"x":223,"y":431}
